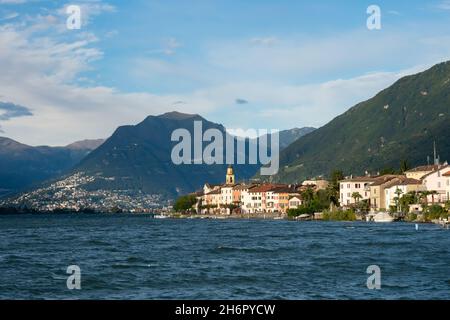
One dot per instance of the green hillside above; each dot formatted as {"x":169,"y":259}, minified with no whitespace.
{"x":399,"y":123}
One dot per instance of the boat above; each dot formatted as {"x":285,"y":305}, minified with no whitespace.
{"x":304,"y":217}
{"x":383,"y":217}
{"x":160,"y":216}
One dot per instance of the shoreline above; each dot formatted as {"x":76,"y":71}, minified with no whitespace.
{"x":178,"y":216}
{"x":275,"y":218}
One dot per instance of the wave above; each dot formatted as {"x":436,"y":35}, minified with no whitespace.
{"x":256,"y":249}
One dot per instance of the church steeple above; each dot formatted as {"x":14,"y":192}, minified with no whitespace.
{"x":229,"y":179}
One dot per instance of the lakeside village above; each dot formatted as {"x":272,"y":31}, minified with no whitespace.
{"x":420,"y":194}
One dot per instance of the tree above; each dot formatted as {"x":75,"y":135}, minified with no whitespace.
{"x":356,"y":196}
{"x":333,"y":187}
{"x":363,"y":206}
{"x":388,"y":170}
{"x":435,"y":212}
{"x":425,"y":194}
{"x":447,"y":205}
{"x":185,"y":203}
{"x":432,"y":193}
{"x":308,"y":196}
{"x":423,"y":197}
{"x":408,"y":199}
{"x":398,"y":192}
{"x":404,"y":166}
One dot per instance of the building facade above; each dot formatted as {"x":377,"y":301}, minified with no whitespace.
{"x":438,"y":181}
{"x":349,"y":187}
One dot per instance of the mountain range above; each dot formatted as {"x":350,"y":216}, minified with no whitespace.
{"x":401,"y":122}
{"x":135,"y":157}
{"x":23,"y":166}
{"x":139,"y":158}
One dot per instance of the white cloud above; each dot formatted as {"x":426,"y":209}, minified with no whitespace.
{"x":9,"y":16}
{"x":272,"y":74}
{"x":444,"y":5}
{"x":298,"y":58}
{"x":40,"y":72}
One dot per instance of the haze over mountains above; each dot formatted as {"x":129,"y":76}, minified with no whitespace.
{"x":399,"y":123}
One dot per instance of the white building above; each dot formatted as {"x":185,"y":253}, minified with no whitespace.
{"x":439,"y":181}
{"x":348,"y":187}
{"x":295,"y":202}
{"x":226,"y":195}
{"x":397,"y":188}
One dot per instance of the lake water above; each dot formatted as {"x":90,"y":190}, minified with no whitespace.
{"x":137,"y":257}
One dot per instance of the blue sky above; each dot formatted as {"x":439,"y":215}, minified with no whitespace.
{"x":245,"y":64}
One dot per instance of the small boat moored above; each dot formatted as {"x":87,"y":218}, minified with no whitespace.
{"x":379,"y":217}
{"x":383,"y":217}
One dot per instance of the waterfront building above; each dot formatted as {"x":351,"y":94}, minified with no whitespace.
{"x":281,"y":196}
{"x":377,"y":191}
{"x":212,"y":198}
{"x":207,"y":188}
{"x":295,"y":202}
{"x":419,"y":172}
{"x":256,"y":201}
{"x":447,"y":184}
{"x":240,"y":191}
{"x":226,"y":194}
{"x":398,"y":187}
{"x":438,"y":182}
{"x":355,"y":185}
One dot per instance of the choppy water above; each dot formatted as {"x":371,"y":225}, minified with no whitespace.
{"x":136,"y":257}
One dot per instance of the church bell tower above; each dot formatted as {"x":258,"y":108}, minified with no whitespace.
{"x":229,"y":179}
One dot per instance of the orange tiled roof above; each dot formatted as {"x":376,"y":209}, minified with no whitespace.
{"x":403,"y":182}
{"x":386,"y":178}
{"x":265,"y":188}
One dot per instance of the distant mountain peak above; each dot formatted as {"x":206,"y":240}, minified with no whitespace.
{"x":10,"y":143}
{"x":88,"y":144}
{"x":175,"y":115}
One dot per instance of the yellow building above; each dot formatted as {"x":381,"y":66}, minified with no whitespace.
{"x":377,"y":191}
{"x":419,"y":172}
